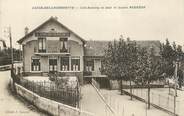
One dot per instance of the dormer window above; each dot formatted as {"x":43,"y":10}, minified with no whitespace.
{"x":64,"y":44}
{"x":41,"y":44}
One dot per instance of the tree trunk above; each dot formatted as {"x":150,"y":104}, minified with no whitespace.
{"x":148,"y":95}
{"x":131,"y":88}
{"x":121,"y":86}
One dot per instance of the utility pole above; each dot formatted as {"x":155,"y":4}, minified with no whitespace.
{"x":11,"y":48}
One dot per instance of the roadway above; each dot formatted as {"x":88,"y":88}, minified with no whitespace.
{"x":13,"y":105}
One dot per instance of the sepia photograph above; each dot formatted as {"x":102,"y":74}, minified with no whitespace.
{"x":91,"y":58}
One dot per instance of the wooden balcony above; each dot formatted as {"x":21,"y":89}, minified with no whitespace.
{"x":48,"y":52}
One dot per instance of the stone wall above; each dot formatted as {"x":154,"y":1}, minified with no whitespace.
{"x":52,"y":107}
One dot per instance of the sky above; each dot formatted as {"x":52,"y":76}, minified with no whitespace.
{"x":158,"y":20}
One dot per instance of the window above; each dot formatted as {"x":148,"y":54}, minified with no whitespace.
{"x":90,"y":65}
{"x":35,"y":65}
{"x":63,"y":42}
{"x":64,"y":63}
{"x":52,"y":65}
{"x":41,"y":44}
{"x":75,"y":64}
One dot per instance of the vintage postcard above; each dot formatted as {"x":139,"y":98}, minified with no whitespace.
{"x":91,"y":57}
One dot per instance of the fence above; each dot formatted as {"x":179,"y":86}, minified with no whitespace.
{"x":50,"y":106}
{"x":47,"y":89}
{"x":120,"y":108}
{"x":164,"y":101}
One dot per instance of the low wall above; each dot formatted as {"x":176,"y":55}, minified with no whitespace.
{"x":50,"y":106}
{"x":115,"y":85}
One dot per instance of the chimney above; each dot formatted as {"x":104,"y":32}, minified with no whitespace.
{"x":26,"y":30}
{"x":56,"y":18}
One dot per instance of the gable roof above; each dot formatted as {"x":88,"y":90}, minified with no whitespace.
{"x":51,"y":19}
{"x":96,"y":48}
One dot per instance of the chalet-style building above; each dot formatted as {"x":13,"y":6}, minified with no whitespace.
{"x":53,"y":47}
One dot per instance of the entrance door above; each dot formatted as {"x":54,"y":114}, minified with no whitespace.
{"x":52,"y":65}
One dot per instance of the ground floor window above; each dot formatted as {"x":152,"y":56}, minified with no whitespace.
{"x":52,"y":65}
{"x":64,"y":63}
{"x":75,"y":64}
{"x":90,"y":65}
{"x":35,"y":65}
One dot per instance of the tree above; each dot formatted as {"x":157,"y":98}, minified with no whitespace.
{"x":110,"y":61}
{"x":149,"y":68}
{"x":131,"y":63}
{"x":143,"y":64}
{"x":122,"y":58}
{"x":120,"y":61}
{"x":114,"y":60}
{"x":168,"y":55}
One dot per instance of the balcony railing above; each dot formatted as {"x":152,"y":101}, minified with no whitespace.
{"x":50,"y":51}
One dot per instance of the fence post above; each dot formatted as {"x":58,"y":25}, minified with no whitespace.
{"x":50,"y":90}
{"x":159,"y":99}
{"x":43,"y":85}
{"x":167,"y":101}
{"x":152,"y":97}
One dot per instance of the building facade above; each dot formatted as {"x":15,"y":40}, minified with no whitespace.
{"x":53,"y":47}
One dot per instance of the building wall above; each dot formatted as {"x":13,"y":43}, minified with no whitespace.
{"x":28,"y":52}
{"x":75,"y":46}
{"x":44,"y":64}
{"x":53,"y":45}
{"x":77,"y":50}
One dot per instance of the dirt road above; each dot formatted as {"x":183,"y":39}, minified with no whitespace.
{"x":12,"y":105}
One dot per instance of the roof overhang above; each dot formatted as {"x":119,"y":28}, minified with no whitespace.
{"x":40,"y":26}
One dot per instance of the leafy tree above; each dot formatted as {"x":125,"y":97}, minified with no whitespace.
{"x":114,"y":60}
{"x":169,"y":54}
{"x":120,"y":60}
{"x":143,"y":64}
{"x":131,"y":63}
{"x":149,"y":68}
{"x":110,"y":63}
{"x":154,"y":71}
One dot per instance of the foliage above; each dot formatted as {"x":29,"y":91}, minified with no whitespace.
{"x":5,"y":55}
{"x":169,"y":55}
{"x":120,"y":59}
{"x":124,"y":60}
